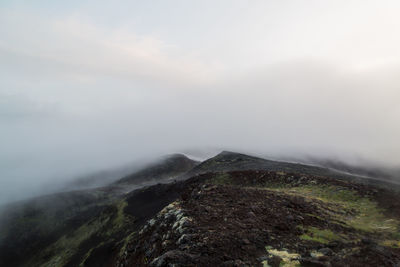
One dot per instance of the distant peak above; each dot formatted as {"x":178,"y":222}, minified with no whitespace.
{"x":228,"y":153}
{"x":175,"y":155}
{"x":231,"y":154}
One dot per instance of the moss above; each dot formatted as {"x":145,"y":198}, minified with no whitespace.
{"x":390,"y":243}
{"x":316,"y":254}
{"x":322,"y":192}
{"x":111,"y":222}
{"x":323,"y":236}
{"x":120,"y":217}
{"x":87,"y":255}
{"x":348,"y":207}
{"x":288,"y":259}
{"x":221,"y":178}
{"x":66,"y":246}
{"x":125,"y":242}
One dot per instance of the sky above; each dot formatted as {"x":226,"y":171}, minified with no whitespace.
{"x":90,"y":85}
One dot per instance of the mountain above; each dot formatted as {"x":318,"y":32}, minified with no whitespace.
{"x":230,"y":210}
{"x":232,"y":161}
{"x":33,"y":232}
{"x":367,"y":170}
{"x":166,"y":167}
{"x":169,"y":167}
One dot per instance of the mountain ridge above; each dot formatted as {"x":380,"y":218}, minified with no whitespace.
{"x":160,"y":215}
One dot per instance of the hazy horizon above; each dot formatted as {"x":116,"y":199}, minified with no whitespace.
{"x":89,"y":86}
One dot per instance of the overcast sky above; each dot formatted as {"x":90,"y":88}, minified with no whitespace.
{"x":88,"y":85}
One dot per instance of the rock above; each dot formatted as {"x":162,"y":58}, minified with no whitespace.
{"x":310,"y":262}
{"x":274,"y":261}
{"x":154,"y":237}
{"x":290,"y":217}
{"x":326,"y":251}
{"x":236,"y":263}
{"x":316,"y":254}
{"x":324,"y":258}
{"x":381,"y":250}
{"x":263,"y":258}
{"x":165,"y":243}
{"x":152,"y":222}
{"x":228,"y":263}
{"x":185,"y":238}
{"x":149,"y":252}
{"x":333,"y":244}
{"x":173,"y":258}
{"x":251,"y":214}
{"x":367,"y":241}
{"x":282,"y":227}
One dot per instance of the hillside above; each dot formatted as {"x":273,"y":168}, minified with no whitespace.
{"x":61,"y":228}
{"x":254,"y":218}
{"x":230,"y":210}
{"x":231,"y":161}
{"x":170,"y":167}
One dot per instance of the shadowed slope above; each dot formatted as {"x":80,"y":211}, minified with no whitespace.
{"x":168,"y":168}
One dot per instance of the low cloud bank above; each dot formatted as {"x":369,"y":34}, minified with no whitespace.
{"x":76,"y":98}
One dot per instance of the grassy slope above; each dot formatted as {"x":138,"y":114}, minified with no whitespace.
{"x":66,"y":228}
{"x":362,"y":214}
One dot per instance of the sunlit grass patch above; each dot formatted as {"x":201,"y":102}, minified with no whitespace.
{"x":350,"y":208}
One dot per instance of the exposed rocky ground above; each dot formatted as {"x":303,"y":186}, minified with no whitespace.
{"x":255,"y":218}
{"x":231,"y":210}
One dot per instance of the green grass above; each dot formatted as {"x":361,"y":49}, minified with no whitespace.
{"x":67,"y":245}
{"x":349,"y":209}
{"x":120,"y":217}
{"x":321,"y":235}
{"x":112,"y":221}
{"x":346,"y":207}
{"x":391,"y":243}
{"x":352,"y":209}
{"x":87,"y":255}
{"x":323,"y":192}
{"x":125,"y":242}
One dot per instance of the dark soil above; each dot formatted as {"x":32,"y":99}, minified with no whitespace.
{"x":231,"y":225}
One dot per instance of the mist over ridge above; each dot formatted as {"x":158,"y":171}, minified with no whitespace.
{"x":82,"y":92}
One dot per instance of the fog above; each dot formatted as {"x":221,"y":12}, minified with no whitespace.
{"x":85,"y":89}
